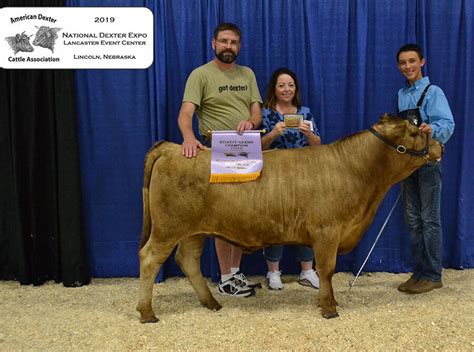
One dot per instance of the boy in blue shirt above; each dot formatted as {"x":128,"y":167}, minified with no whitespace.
{"x":422,"y":189}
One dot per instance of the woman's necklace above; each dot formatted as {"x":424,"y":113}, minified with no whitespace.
{"x":290,"y":109}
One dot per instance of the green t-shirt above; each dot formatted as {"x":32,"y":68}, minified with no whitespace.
{"x":223,"y":98}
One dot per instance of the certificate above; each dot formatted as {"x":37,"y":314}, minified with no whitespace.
{"x":292,"y":120}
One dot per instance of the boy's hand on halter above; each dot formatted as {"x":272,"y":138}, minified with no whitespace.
{"x":425,"y":128}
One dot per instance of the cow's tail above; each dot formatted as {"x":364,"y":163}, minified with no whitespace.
{"x":150,"y":159}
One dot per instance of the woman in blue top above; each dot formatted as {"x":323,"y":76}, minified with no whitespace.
{"x":283,"y":98}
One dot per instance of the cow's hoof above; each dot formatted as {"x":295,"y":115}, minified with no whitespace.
{"x":212,"y":305}
{"x":152,"y":319}
{"x":217,"y":307}
{"x":331,"y":315}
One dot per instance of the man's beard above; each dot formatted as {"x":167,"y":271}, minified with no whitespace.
{"x":226,"y":57}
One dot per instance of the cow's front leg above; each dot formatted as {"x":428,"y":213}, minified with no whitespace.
{"x":326,"y":297}
{"x":188,"y":257}
{"x":152,"y":257}
{"x":326,"y":253}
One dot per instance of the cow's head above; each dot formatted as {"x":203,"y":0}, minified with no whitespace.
{"x":46,"y":37}
{"x":406,"y":138}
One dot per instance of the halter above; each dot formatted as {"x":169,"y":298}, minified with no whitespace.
{"x":400,"y":148}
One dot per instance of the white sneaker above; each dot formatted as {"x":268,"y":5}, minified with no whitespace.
{"x":244,"y":281}
{"x":233,"y":288}
{"x":274,"y":281}
{"x":309,"y":278}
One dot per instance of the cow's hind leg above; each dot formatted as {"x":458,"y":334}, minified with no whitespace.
{"x":152,"y":256}
{"x":188,"y":257}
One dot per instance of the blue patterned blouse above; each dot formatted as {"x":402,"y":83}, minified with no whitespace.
{"x":292,"y":138}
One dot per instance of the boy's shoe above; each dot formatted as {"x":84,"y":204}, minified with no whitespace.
{"x":407,"y":285}
{"x":234,"y":288}
{"x":274,"y":280}
{"x":240,"y":277}
{"x":309,"y":278}
{"x":423,"y":286}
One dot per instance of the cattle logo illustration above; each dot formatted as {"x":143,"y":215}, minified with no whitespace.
{"x":20,"y":42}
{"x":45,"y":37}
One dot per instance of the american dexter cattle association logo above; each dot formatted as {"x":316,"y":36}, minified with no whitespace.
{"x":76,"y":37}
{"x":45,"y":37}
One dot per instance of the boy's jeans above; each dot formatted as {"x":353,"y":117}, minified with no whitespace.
{"x":422,"y":199}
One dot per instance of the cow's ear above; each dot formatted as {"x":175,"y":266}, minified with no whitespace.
{"x":385,"y":117}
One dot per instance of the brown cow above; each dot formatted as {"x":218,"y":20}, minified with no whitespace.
{"x":324,"y":196}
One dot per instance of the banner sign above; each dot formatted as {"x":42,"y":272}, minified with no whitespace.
{"x":236,"y":158}
{"x":76,"y":37}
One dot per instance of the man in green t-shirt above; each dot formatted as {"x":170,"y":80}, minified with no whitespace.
{"x":224,"y":96}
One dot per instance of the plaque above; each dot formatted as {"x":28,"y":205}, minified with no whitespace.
{"x":292,"y":120}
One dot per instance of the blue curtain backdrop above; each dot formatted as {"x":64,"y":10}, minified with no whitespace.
{"x":344,"y":54}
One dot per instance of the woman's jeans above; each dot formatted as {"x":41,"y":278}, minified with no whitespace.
{"x":274,"y":253}
{"x":422,"y":200}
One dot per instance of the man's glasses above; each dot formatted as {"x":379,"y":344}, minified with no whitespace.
{"x":225,"y":42}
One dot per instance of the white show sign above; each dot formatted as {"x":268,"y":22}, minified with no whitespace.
{"x":76,"y":37}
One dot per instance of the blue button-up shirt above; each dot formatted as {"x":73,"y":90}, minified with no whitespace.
{"x":434,"y":111}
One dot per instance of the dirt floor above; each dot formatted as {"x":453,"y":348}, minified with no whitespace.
{"x":373,"y":316}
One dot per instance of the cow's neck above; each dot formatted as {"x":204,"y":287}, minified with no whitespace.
{"x":371,"y":159}
{"x":370,"y":168}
